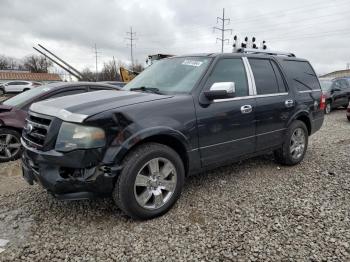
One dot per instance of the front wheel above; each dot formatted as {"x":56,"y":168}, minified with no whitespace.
{"x":150,"y":182}
{"x":294,"y":148}
{"x":10,"y":145}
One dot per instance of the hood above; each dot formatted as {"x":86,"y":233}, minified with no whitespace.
{"x":76,"y":108}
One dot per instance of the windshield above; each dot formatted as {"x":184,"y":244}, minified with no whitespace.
{"x":21,"y":98}
{"x":326,"y":85}
{"x":174,"y":75}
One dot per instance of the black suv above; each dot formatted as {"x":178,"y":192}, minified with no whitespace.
{"x":336,"y":91}
{"x":181,"y":116}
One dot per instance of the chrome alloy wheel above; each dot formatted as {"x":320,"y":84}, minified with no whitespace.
{"x":155,"y":183}
{"x":297,"y":143}
{"x":328,"y":108}
{"x":9,"y":146}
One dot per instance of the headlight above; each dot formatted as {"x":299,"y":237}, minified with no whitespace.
{"x":73,"y":136}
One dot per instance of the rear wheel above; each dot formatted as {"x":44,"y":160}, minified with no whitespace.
{"x":293,"y":149}
{"x":2,"y":91}
{"x":150,"y":182}
{"x":10,"y":145}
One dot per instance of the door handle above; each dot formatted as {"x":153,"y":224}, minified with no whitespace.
{"x":289,"y":103}
{"x":246,"y":109}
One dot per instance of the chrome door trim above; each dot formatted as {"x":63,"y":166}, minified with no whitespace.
{"x":236,"y":140}
{"x":310,"y":91}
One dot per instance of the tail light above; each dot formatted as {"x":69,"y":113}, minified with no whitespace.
{"x":323,"y":102}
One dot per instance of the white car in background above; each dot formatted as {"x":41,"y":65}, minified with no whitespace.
{"x":17,"y":86}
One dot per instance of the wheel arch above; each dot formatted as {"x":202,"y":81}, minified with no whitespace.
{"x":165,"y":136}
{"x":305,"y":118}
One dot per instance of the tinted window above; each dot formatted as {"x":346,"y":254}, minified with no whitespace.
{"x":264,"y":75}
{"x":68,"y":93}
{"x":281,"y":85}
{"x":230,"y":70}
{"x":343,"y":84}
{"x":301,"y":76}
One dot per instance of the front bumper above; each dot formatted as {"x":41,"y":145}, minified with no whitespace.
{"x":74,"y":175}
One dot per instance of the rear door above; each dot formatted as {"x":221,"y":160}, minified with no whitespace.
{"x":274,"y":103}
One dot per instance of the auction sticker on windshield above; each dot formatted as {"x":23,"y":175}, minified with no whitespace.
{"x":192,"y":63}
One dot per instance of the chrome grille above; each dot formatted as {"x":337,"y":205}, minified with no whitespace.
{"x":36,"y":129}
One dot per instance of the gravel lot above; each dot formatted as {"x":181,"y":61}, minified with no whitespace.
{"x":253,"y":210}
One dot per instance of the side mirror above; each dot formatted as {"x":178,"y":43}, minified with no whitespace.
{"x":221,"y":90}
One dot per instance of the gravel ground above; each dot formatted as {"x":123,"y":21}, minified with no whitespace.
{"x":253,"y":210}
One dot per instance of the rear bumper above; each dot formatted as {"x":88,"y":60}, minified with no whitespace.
{"x":68,"y":176}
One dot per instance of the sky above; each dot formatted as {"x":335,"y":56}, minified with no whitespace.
{"x":317,"y":30}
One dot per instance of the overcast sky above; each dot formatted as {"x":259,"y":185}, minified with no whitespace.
{"x":316,"y":30}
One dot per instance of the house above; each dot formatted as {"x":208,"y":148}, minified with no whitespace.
{"x":28,"y":76}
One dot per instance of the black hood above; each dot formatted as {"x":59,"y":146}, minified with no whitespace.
{"x":91,"y":103}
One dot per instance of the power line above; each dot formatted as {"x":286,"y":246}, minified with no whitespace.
{"x":131,"y":38}
{"x":222,"y":29}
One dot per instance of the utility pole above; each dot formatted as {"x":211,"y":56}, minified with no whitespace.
{"x":96,"y":55}
{"x":222,"y":29}
{"x":131,"y":38}
{"x":347,"y":66}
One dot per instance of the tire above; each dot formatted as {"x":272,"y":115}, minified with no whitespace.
{"x":2,"y":91}
{"x":328,"y":108}
{"x":348,"y":118}
{"x":26,"y":89}
{"x":10,"y":145}
{"x":285,"y":155}
{"x":129,"y":196}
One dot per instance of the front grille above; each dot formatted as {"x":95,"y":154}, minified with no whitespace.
{"x":36,"y":129}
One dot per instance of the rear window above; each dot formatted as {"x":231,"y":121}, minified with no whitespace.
{"x":301,"y":76}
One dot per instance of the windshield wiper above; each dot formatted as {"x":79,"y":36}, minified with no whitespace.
{"x":146,"y":89}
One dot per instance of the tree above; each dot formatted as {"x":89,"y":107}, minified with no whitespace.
{"x":138,"y":67}
{"x":4,"y":63}
{"x":109,"y":72}
{"x":88,"y":75}
{"x":37,"y":64}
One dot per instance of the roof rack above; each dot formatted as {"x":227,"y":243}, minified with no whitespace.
{"x":267,"y":52}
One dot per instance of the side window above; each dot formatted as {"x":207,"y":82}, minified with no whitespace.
{"x":230,"y":70}
{"x":264,"y":75}
{"x":300,"y":75}
{"x":343,"y":84}
{"x":68,"y":93}
{"x":281,"y":85}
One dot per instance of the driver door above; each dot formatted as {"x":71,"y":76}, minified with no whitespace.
{"x":226,"y":129}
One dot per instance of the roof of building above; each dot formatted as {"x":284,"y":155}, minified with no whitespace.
{"x":17,"y":75}
{"x":339,"y":73}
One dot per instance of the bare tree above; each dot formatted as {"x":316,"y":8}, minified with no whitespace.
{"x":109,"y":72}
{"x":138,"y":67}
{"x":88,"y":75}
{"x":4,"y":63}
{"x":37,"y":64}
